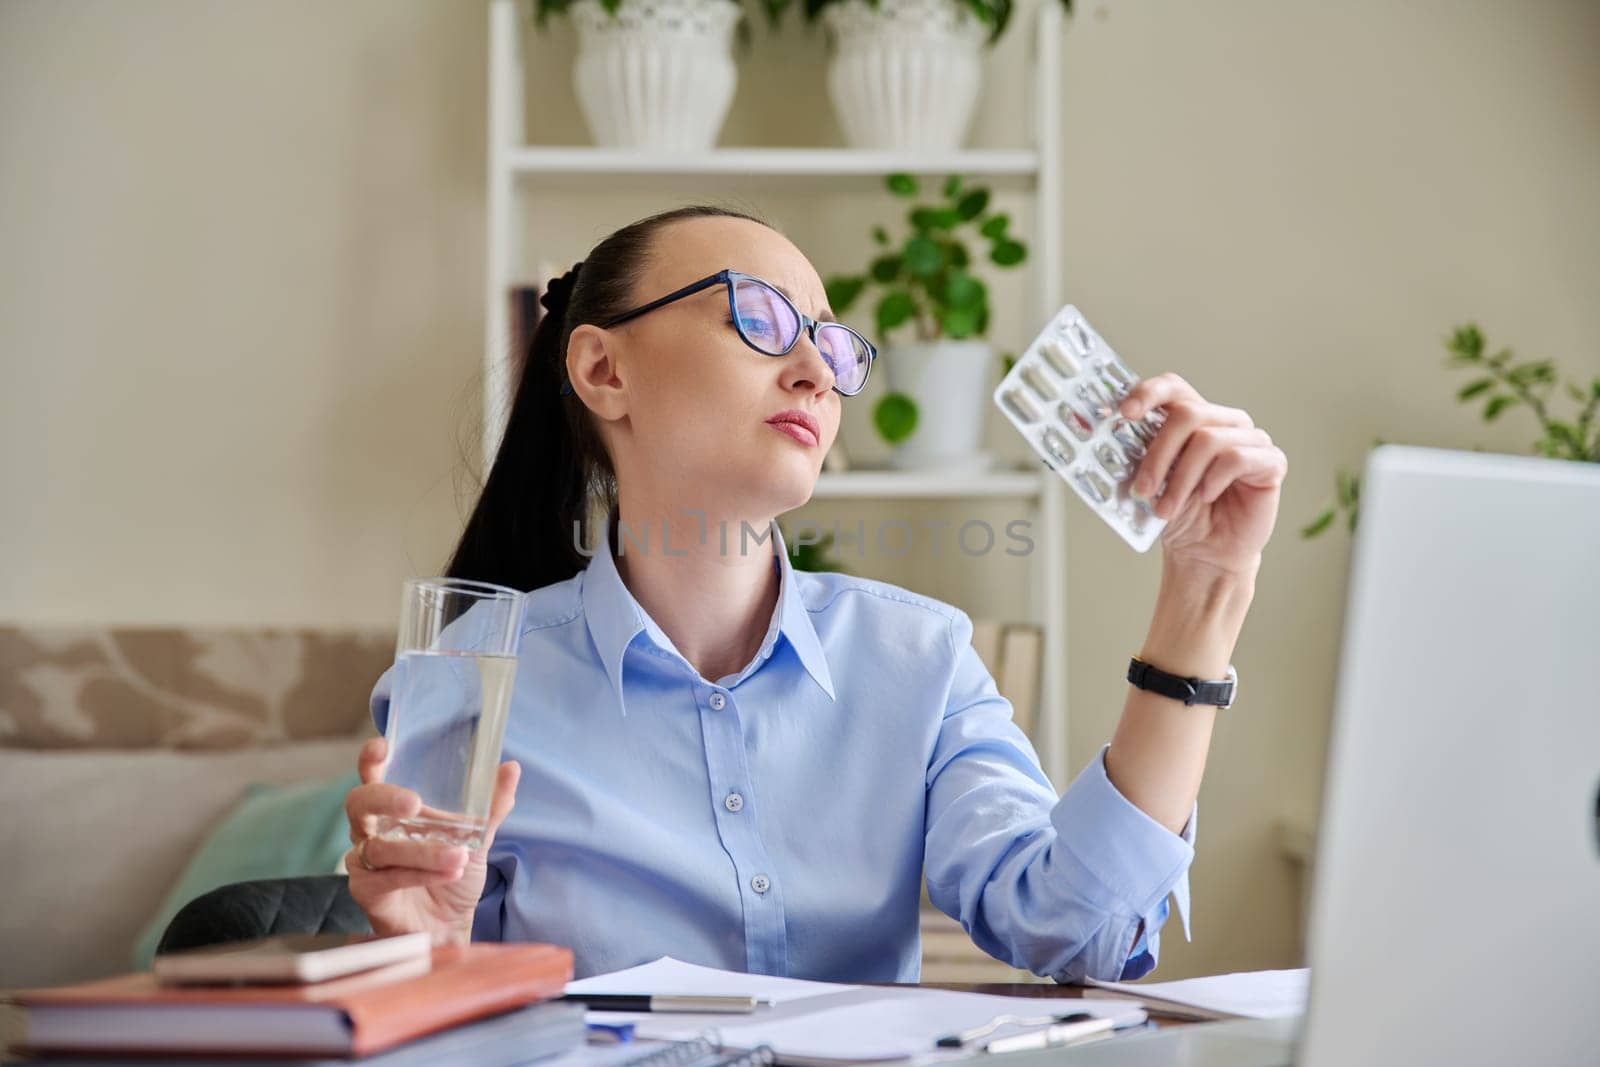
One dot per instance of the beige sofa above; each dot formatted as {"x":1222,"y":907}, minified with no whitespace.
{"x":122,"y":748}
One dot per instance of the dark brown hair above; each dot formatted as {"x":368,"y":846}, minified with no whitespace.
{"x":551,"y":464}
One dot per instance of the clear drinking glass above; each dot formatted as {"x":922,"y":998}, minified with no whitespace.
{"x":455,"y":663}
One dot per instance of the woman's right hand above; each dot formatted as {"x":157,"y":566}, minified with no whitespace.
{"x":415,"y":885}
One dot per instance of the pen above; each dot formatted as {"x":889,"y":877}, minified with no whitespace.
{"x":715,"y":1005}
{"x":1053,"y":1036}
{"x":969,"y":1037}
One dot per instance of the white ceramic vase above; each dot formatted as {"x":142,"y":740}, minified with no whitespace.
{"x":904,"y":75}
{"x":949,"y":383}
{"x":658,"y":74}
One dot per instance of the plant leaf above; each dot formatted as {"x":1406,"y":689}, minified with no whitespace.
{"x":901,"y":184}
{"x":894,"y":309}
{"x":880,"y":235}
{"x":1345,"y":484}
{"x":958,"y":322}
{"x":1528,"y":373}
{"x":934,"y":218}
{"x":843,"y":290}
{"x":1496,"y":405}
{"x":886,"y":269}
{"x":994,"y":227}
{"x":1466,"y":343}
{"x":952,"y":186}
{"x":1008,"y":253}
{"x":1472,"y":389}
{"x":923,"y":258}
{"x":1320,"y":523}
{"x":962,"y":290}
{"x":895,"y":416}
{"x":972,"y":204}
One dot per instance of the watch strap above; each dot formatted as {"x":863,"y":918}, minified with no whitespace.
{"x":1191,"y":691}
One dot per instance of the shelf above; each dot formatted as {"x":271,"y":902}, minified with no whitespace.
{"x":895,"y":484}
{"x":527,"y":183}
{"x":589,"y":167}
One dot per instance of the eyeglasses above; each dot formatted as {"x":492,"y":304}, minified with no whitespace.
{"x":769,"y":322}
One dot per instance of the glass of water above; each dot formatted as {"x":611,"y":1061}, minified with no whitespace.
{"x":455,"y":664}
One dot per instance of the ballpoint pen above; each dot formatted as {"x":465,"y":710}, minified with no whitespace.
{"x":714,"y":1005}
{"x":969,"y":1037}
{"x":1052,"y":1036}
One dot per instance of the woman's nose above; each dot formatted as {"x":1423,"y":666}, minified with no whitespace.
{"x":809,"y":360}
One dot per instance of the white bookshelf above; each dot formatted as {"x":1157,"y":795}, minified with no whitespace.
{"x":518,"y":170}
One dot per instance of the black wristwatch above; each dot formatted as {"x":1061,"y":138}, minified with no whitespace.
{"x":1219,"y":691}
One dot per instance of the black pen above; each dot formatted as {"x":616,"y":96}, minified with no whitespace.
{"x":714,"y":1005}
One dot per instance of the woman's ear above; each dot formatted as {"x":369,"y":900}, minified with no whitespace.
{"x":594,"y":368}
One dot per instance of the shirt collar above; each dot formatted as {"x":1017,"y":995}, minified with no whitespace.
{"x":616,"y":618}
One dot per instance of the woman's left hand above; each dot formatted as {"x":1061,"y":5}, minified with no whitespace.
{"x":1223,"y":477}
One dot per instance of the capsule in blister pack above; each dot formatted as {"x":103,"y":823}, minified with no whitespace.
{"x":1062,"y":395}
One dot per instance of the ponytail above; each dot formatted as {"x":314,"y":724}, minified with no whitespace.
{"x":552,"y":468}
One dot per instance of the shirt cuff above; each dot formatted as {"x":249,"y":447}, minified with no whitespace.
{"x":1136,"y":860}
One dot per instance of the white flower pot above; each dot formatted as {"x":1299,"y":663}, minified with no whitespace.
{"x":949,"y":383}
{"x":904,"y":75}
{"x":658,"y":74}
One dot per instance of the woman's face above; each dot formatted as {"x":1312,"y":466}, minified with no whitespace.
{"x":685,"y":405}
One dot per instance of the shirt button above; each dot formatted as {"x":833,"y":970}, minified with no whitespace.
{"x":760,"y":883}
{"x":733,"y":802}
{"x":718,"y":701}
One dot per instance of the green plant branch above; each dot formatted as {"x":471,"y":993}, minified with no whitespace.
{"x":1502,"y":383}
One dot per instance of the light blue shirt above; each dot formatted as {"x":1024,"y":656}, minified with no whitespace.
{"x":780,"y":820}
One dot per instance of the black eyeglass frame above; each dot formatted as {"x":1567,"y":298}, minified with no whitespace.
{"x":729,"y":278}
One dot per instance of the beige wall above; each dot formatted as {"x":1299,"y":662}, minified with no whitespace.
{"x":240,"y":307}
{"x":241,"y":262}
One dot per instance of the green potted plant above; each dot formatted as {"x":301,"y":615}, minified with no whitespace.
{"x":928,"y":285}
{"x":1501,"y":383}
{"x":905,"y":74}
{"x":654,"y":73}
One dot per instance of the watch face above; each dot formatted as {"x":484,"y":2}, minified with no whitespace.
{"x":1233,"y":676}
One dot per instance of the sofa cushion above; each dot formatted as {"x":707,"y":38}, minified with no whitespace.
{"x":275,"y":831}
{"x":94,"y":840}
{"x":171,"y":687}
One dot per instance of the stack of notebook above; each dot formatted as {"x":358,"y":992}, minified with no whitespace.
{"x":481,"y":1003}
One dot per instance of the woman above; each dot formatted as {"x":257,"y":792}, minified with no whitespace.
{"x":751,"y":767}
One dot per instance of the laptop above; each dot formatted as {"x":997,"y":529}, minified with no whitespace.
{"x":1455,"y":910}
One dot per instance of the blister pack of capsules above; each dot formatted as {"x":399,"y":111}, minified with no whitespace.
{"x":1062,"y":395}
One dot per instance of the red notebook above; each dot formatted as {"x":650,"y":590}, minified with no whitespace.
{"x":354,"y":1015}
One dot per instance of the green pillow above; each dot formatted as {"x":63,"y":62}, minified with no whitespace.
{"x":275,"y":831}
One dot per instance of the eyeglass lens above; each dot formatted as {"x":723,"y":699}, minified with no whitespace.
{"x":769,"y":322}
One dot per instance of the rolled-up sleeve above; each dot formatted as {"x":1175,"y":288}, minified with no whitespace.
{"x":1069,"y":887}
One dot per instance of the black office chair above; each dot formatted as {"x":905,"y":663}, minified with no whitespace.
{"x":244,"y":911}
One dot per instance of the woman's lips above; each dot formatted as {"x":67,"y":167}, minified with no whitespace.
{"x":797,"y":431}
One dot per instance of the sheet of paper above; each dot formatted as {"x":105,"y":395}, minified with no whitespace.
{"x":824,"y":1022}
{"x":669,"y":977}
{"x":1247,"y":994}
